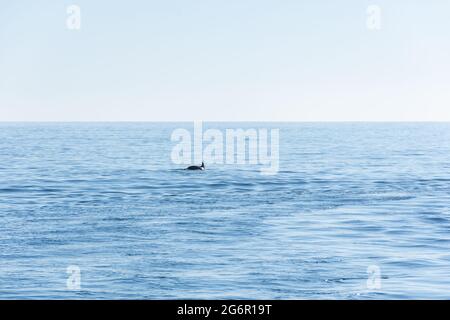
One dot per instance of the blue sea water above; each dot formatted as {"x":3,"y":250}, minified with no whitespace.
{"x":107,"y":198}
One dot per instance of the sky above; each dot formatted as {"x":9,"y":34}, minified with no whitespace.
{"x":225,"y":60}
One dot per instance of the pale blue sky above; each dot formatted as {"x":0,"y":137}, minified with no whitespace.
{"x":224,"y":60}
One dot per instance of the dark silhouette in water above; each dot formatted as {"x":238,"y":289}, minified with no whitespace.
{"x":202,"y":167}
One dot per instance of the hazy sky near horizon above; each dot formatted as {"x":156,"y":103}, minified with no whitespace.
{"x":233,"y":60}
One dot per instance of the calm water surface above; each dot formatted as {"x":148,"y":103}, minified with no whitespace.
{"x":107,"y":198}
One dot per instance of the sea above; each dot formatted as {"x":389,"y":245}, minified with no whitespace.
{"x":101,"y":211}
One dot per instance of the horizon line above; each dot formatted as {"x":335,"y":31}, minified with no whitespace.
{"x":224,"y":121}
